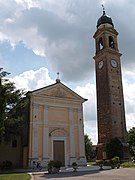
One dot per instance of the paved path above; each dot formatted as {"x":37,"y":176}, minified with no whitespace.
{"x":89,"y":173}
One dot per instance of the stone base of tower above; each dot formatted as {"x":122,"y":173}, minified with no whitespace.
{"x":126,"y":153}
{"x":101,"y":151}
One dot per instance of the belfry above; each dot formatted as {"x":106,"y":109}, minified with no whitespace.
{"x":110,"y":101}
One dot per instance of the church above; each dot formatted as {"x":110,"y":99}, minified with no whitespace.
{"x":56,"y":128}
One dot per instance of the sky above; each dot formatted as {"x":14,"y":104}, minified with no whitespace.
{"x":39,"y":38}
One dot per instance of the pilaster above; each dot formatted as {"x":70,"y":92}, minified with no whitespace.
{"x":35,"y":132}
{"x":45,"y":135}
{"x":82,"y":160}
{"x":72,"y":139}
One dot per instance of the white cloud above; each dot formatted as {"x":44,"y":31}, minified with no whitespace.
{"x":90,"y":121}
{"x":129,"y":96}
{"x":27,"y":3}
{"x":63,"y":31}
{"x":52,"y":29}
{"x":31,"y":80}
{"x":3,"y":36}
{"x":88,"y":92}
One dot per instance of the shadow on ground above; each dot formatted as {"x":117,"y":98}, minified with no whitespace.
{"x":68,"y":174}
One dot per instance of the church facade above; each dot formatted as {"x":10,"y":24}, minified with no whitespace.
{"x":56,"y":129}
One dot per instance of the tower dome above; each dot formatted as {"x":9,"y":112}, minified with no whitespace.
{"x":104,"y":19}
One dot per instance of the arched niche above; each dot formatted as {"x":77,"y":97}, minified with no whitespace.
{"x":59,"y":132}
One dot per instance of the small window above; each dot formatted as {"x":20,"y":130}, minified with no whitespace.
{"x":111,"y":42}
{"x":14,"y":143}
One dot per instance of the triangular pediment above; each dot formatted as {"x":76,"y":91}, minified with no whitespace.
{"x":58,"y":90}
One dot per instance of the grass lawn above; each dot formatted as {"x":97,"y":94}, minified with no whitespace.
{"x":92,"y":163}
{"x":15,"y":176}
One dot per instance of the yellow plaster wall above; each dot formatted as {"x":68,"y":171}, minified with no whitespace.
{"x":58,"y":115}
{"x":13,"y":154}
{"x":55,"y":100}
{"x":75,"y":115}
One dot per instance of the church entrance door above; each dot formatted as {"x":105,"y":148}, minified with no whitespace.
{"x":59,"y":151}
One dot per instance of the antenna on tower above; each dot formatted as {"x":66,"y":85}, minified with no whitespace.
{"x":103,"y":9}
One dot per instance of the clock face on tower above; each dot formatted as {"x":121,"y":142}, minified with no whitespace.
{"x":114,"y":63}
{"x":100,"y":64}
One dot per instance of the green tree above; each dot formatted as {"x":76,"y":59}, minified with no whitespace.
{"x":17,"y":122}
{"x":88,"y":147}
{"x":114,"y":148}
{"x":131,"y":141}
{"x":9,"y":98}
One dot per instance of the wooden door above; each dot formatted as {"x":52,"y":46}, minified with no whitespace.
{"x":59,"y":151}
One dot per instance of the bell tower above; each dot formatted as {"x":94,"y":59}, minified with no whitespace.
{"x":110,"y":101}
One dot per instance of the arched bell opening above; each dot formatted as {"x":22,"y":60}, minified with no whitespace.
{"x":100,"y":44}
{"x":111,"y":42}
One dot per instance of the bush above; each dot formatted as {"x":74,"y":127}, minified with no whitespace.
{"x":128,"y":164}
{"x":74,"y":164}
{"x":133,"y":159}
{"x":50,"y":164}
{"x":107,"y":163}
{"x":99,"y":162}
{"x":6,"y":165}
{"x":57,"y":164}
{"x":115,"y":162}
{"x":54,"y":166}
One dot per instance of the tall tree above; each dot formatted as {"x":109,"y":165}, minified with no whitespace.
{"x":88,"y":147}
{"x":131,"y":141}
{"x":9,"y":98}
